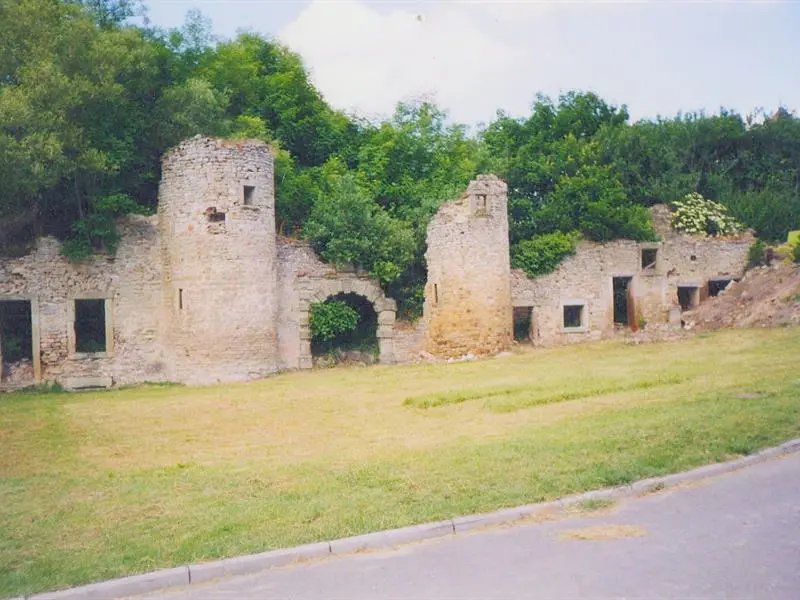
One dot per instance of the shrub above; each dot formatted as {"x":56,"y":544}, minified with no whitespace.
{"x":331,"y":318}
{"x":697,"y":216}
{"x":756,"y":254}
{"x":796,"y":254}
{"x":793,"y":239}
{"x":542,"y":254}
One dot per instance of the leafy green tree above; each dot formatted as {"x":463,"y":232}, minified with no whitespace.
{"x":347,"y":227}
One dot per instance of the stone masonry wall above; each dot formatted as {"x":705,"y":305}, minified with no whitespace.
{"x":304,"y":279}
{"x":586,"y":279}
{"x":467,"y":297}
{"x":217,"y":221}
{"x":131,"y":284}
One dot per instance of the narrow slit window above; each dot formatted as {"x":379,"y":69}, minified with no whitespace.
{"x":249,"y":195}
{"x":436,"y":293}
{"x":90,"y":326}
{"x":180,"y":298}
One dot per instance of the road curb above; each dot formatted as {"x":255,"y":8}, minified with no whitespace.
{"x":253,"y":563}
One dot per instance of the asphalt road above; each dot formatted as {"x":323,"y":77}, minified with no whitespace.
{"x":734,"y":536}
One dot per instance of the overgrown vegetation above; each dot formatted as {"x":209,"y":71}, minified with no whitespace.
{"x":90,"y":102}
{"x":697,"y":216}
{"x":756,"y":255}
{"x":543,"y":253}
{"x":343,"y":322}
{"x":331,"y":318}
{"x":103,"y":484}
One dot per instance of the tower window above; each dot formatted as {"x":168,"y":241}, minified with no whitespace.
{"x":249,"y":194}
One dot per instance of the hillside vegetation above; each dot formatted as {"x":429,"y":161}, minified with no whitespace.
{"x":89,"y":102}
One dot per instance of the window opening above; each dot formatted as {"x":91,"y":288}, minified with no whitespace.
{"x":249,"y":193}
{"x":573,"y":316}
{"x":716,"y":286}
{"x":649,"y":258}
{"x":90,"y":325}
{"x":180,"y":298}
{"x":16,"y":335}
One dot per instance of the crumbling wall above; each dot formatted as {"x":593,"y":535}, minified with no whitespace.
{"x":304,"y":279}
{"x":217,"y":222}
{"x":409,"y":341}
{"x":131,"y":283}
{"x":586,"y":278}
{"x":467,"y":297}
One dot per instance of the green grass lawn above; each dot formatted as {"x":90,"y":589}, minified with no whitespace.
{"x":100,"y":485}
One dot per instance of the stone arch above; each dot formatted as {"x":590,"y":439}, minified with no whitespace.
{"x":322,"y":289}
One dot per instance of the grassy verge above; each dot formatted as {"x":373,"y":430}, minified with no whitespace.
{"x":99,"y":485}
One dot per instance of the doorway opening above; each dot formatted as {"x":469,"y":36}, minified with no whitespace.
{"x":523,"y":323}
{"x":344,"y":329}
{"x":688,"y":296}
{"x":623,"y":301}
{"x":16,"y":341}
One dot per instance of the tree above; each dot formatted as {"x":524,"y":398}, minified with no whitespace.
{"x":347,"y":227}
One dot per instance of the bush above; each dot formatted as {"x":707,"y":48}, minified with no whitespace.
{"x":698,"y":216}
{"x":756,"y":255}
{"x":542,"y":254}
{"x":796,"y":254}
{"x":331,"y":318}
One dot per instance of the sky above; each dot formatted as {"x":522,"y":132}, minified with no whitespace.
{"x":475,"y":57}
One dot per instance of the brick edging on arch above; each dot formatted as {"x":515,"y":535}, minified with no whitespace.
{"x":320,"y":289}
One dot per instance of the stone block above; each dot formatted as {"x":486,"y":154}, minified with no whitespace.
{"x":87,"y":382}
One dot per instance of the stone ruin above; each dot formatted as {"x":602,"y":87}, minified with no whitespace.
{"x":205,"y":291}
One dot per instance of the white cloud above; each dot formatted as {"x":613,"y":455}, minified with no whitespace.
{"x":364,"y":60}
{"x":478,"y":56}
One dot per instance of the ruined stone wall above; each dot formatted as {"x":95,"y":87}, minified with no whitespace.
{"x":586,"y":279}
{"x":296,"y":261}
{"x":409,"y":341}
{"x":130,"y":282}
{"x":467,"y":297}
{"x":305,"y":279}
{"x":217,"y":221}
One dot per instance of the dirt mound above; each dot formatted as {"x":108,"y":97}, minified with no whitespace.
{"x":765,"y":297}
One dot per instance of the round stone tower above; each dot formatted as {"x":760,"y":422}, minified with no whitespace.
{"x":218,"y":244}
{"x":468,"y":293}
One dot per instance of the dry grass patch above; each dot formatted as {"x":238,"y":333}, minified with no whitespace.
{"x":603,"y":532}
{"x":99,"y":485}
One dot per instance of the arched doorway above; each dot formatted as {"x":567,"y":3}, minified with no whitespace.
{"x":344,"y":329}
{"x":367,"y":290}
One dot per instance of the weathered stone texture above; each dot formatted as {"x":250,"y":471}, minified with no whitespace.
{"x":467,"y":296}
{"x":303,"y":280}
{"x":131,"y":282}
{"x":206,"y":291}
{"x":587,"y":278}
{"x":219,"y":253}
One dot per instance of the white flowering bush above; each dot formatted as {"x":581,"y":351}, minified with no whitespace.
{"x":698,"y":216}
